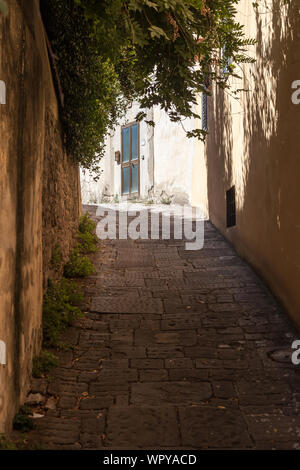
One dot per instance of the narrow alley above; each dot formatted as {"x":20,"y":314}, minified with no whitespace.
{"x":117,"y":332}
{"x":178,"y":350}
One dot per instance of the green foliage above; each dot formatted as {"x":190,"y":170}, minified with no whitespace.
{"x":87,"y":236}
{"x":44,"y":363}
{"x":60,"y":309}
{"x":23,"y":421}
{"x":88,"y":242}
{"x":86,"y":224}
{"x":3,"y":7}
{"x":56,"y":259}
{"x":63,"y":297}
{"x":89,"y":81}
{"x":166,"y":200}
{"x":78,"y":265}
{"x":20,"y":444}
{"x":6,"y":445}
{"x":158,"y":52}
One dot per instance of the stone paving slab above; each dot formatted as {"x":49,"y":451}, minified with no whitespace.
{"x":179,"y":393}
{"x":213,"y":427}
{"x":143,"y":427}
{"x":179,"y":350}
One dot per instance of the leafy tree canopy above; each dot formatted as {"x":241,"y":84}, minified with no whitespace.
{"x":158,"y":52}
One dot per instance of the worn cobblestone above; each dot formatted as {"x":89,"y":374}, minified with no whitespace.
{"x":178,"y":349}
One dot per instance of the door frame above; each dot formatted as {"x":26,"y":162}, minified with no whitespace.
{"x":129,"y":163}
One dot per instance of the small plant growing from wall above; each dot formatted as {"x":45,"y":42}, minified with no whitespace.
{"x":56,"y":259}
{"x":78,"y":266}
{"x":3,"y":7}
{"x":166,"y":200}
{"x":87,"y":235}
{"x":60,"y":310}
{"x":6,"y":445}
{"x":43,"y":364}
{"x":23,"y":421}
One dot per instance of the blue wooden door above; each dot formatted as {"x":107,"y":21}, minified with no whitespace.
{"x":130,"y":160}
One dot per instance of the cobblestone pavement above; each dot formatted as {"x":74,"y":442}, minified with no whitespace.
{"x":179,"y":350}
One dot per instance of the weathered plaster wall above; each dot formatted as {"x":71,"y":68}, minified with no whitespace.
{"x":254,"y":144}
{"x":173,"y":158}
{"x":25,"y":187}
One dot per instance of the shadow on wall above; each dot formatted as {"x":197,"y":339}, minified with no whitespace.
{"x":258,"y":150}
{"x":219,"y":151}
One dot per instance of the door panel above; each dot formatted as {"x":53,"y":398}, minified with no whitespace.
{"x":126,"y":144}
{"x":134,"y":142}
{"x":135,"y":178}
{"x":130,"y":159}
{"x":126,"y":179}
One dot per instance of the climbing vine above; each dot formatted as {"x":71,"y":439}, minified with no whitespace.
{"x":158,"y":52}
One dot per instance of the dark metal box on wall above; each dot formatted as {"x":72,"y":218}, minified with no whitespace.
{"x":118,"y":157}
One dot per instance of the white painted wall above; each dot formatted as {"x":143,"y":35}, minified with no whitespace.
{"x":173,"y":158}
{"x":92,"y":191}
{"x":167,"y":162}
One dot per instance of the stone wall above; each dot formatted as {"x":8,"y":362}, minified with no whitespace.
{"x":61,"y":200}
{"x":39,"y":194}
